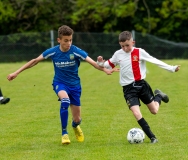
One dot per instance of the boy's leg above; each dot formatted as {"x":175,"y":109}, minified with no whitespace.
{"x":65,"y":102}
{"x":159,"y":95}
{"x":155,"y":104}
{"x":147,"y":130}
{"x":3,"y":100}
{"x":143,"y":124}
{"x":74,"y":95}
{"x":145,"y":93}
{"x":76,"y":123}
{"x":62,"y":92}
{"x":1,"y":94}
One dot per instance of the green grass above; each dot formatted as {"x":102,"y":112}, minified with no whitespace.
{"x":30,"y":123}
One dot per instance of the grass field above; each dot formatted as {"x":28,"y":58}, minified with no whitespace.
{"x":30,"y":123}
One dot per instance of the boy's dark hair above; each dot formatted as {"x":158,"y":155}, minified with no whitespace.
{"x":64,"y":30}
{"x":125,"y":35}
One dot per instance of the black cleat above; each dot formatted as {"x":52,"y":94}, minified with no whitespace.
{"x":163,"y":95}
{"x":4,"y":100}
{"x":154,"y":140}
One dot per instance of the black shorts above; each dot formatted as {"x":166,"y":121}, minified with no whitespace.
{"x":136,"y":91}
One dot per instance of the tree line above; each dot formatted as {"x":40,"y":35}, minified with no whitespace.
{"x":166,"y":19}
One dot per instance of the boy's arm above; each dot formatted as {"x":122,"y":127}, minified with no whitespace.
{"x":149,"y":58}
{"x":94,"y":64}
{"x":107,"y":64}
{"x":177,"y":68}
{"x":29,"y":64}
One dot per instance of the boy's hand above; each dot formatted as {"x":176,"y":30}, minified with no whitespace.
{"x":177,"y":68}
{"x":116,"y":69}
{"x":12,"y":76}
{"x":108,"y":71}
{"x":100,"y":61}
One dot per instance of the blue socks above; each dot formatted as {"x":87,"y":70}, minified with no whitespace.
{"x":75,"y":124}
{"x":65,"y":102}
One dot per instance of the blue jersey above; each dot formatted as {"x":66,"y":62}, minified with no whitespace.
{"x":66,"y":64}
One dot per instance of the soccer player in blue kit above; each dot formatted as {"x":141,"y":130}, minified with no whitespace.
{"x":3,"y":100}
{"x":66,"y":82}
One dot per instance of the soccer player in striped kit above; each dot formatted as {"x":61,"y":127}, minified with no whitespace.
{"x":66,"y":82}
{"x":132,"y":63}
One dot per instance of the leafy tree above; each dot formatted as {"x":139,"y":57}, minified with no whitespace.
{"x":33,"y":15}
{"x":102,"y":15}
{"x":173,"y":20}
{"x":164,"y":18}
{"x":7,"y":14}
{"x":160,"y":18}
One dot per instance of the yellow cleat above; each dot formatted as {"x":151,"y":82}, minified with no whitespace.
{"x":79,"y":134}
{"x":65,"y":139}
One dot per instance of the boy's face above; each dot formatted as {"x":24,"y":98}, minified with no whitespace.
{"x":127,"y":45}
{"x":65,"y":43}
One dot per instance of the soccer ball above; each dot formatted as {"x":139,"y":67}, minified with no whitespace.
{"x":135,"y":135}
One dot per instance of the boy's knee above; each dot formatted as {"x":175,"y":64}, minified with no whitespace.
{"x":154,"y":111}
{"x":65,"y":102}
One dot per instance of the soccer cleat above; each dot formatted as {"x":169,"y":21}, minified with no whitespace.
{"x":65,"y":139}
{"x":4,"y":100}
{"x":79,"y":134}
{"x":154,"y":140}
{"x":163,"y":95}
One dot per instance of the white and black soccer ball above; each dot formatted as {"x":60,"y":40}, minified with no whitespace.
{"x":135,"y":135}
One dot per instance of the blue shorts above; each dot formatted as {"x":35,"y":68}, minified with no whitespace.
{"x":74,"y":93}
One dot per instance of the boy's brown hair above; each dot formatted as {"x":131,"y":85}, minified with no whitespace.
{"x":64,"y":30}
{"x":124,"y":36}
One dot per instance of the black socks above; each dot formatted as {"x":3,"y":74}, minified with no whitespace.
{"x":146,"y":128}
{"x":158,"y":98}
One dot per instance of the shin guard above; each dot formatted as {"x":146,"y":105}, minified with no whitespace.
{"x":65,"y":102}
{"x":146,"y":128}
